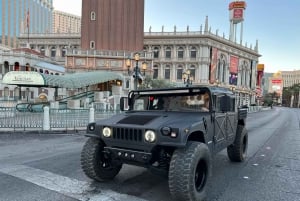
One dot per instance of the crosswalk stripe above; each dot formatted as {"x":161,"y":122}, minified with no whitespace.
{"x":80,"y":190}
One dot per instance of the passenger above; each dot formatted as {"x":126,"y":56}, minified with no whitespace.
{"x":206,"y":103}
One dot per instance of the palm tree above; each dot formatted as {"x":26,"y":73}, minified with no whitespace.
{"x":291,"y":95}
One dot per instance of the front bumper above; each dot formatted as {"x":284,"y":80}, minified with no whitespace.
{"x":129,"y":156}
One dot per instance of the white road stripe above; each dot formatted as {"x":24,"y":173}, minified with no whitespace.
{"x":64,"y":185}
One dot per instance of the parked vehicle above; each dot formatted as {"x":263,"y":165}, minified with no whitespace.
{"x":173,"y":132}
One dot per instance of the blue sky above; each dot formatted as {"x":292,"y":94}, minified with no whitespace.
{"x":275,"y":24}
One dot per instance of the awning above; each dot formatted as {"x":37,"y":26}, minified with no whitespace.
{"x":49,"y":66}
{"x":70,"y":81}
{"x":79,"y":80}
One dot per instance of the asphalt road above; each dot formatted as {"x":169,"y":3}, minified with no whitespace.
{"x":47,"y":167}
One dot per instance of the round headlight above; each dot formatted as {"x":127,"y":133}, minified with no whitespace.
{"x":150,"y":136}
{"x":106,"y":132}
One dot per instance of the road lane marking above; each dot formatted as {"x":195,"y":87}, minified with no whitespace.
{"x":70,"y":187}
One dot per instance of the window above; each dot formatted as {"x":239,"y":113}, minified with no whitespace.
{"x":221,"y":69}
{"x":92,"y":45}
{"x":156,"y":53}
{"x":167,"y":73}
{"x":155,"y":72}
{"x":6,"y":91}
{"x":6,"y":67}
{"x":53,"y":52}
{"x":168,"y":52}
{"x":27,"y":67}
{"x":63,"y":52}
{"x":193,"y":53}
{"x":192,"y":71}
{"x":17,"y":66}
{"x":180,"y":53}
{"x":179,"y":73}
{"x":93,"y":16}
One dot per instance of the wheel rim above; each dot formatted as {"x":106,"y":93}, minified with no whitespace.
{"x":200,"y":175}
{"x":104,"y":162}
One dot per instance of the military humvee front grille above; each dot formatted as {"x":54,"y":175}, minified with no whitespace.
{"x":128,"y":134}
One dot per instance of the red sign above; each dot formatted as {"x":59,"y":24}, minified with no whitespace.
{"x":234,"y":63}
{"x":237,"y":4}
{"x":276,"y":81}
{"x":238,"y":14}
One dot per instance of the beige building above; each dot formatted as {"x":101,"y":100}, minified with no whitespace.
{"x":66,"y":23}
{"x":290,"y":77}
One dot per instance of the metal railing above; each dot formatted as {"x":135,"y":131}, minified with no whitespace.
{"x":67,"y":119}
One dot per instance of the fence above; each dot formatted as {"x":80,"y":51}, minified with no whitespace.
{"x":67,"y":119}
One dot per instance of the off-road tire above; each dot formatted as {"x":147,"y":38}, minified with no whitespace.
{"x":189,"y":171}
{"x":237,"y":151}
{"x":95,"y":164}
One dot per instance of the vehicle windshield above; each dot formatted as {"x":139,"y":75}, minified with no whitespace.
{"x":171,"y":102}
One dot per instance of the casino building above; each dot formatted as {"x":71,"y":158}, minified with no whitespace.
{"x":203,"y":56}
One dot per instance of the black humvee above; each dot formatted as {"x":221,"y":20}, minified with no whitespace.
{"x":173,"y":131}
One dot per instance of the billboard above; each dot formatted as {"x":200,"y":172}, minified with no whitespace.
{"x":276,"y":85}
{"x":260,"y":73}
{"x":233,"y":70}
{"x":236,"y":11}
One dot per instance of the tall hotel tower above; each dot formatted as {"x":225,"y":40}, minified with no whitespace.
{"x":112,"y":25}
{"x":24,"y":16}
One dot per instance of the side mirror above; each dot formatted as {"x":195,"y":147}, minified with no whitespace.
{"x":225,"y":103}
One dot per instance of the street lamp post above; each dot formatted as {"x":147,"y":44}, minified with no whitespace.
{"x":187,"y":78}
{"x":136,"y":71}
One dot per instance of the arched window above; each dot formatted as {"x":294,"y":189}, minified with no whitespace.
{"x":27,"y":67}
{"x":193,"y":53}
{"x":17,"y":93}
{"x":167,"y":72}
{"x":93,"y":16}
{"x":155,"y":72}
{"x":168,"y":53}
{"x":179,"y":72}
{"x":6,"y":67}
{"x":92,"y":45}
{"x":221,"y":69}
{"x":156,"y":52}
{"x":6,"y":91}
{"x":42,"y":50}
{"x":64,"y":51}
{"x":53,"y":51}
{"x":180,"y":53}
{"x":17,"y":66}
{"x":192,"y":71}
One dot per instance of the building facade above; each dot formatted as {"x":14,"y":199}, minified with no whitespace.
{"x":54,"y":45}
{"x":24,"y":16}
{"x":112,"y":25}
{"x":24,"y":59}
{"x":290,"y":78}
{"x":65,"y":22}
{"x":210,"y":59}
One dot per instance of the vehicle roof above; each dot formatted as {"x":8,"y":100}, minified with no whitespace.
{"x":193,"y":88}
